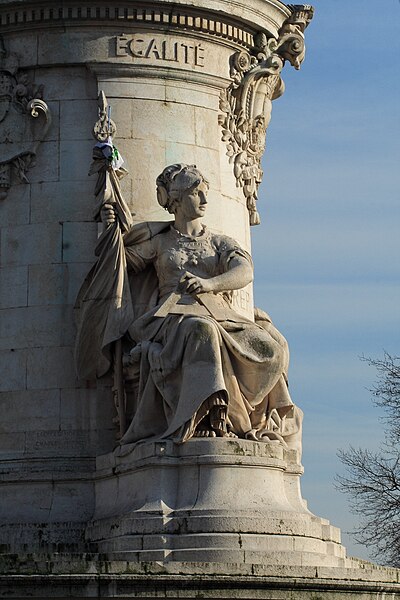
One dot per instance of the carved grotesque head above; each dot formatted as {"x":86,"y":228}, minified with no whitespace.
{"x":174,"y":182}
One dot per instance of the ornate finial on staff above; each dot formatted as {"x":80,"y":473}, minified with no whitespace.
{"x":104,"y":127}
{"x":103,"y":131}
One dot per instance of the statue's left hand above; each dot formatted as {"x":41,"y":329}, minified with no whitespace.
{"x":192,"y":284}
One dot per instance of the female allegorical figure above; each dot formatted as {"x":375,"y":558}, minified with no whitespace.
{"x":205,"y":370}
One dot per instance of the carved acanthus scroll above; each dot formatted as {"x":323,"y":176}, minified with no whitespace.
{"x":247,"y":103}
{"x":24,"y":120}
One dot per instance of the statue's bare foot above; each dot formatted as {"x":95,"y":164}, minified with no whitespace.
{"x":252,"y":435}
{"x":225,"y":434}
{"x":265,"y":435}
{"x":204,"y":433}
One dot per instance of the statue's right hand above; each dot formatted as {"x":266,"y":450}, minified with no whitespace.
{"x":107,"y":214}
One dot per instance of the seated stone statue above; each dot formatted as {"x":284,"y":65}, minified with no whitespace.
{"x":201,"y":369}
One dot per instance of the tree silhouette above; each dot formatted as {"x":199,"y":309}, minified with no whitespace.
{"x":372,"y":480}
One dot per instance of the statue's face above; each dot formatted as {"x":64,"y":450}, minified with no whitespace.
{"x":193,"y":202}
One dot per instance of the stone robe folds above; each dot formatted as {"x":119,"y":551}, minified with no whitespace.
{"x":185,"y":349}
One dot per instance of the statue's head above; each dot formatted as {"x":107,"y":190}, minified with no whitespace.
{"x":176,"y":182}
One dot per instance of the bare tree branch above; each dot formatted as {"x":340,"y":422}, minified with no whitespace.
{"x":372,"y":481}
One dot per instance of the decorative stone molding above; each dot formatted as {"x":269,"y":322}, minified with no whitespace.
{"x":159,"y":17}
{"x":247,"y":103}
{"x":291,"y":44}
{"x":21,"y":104}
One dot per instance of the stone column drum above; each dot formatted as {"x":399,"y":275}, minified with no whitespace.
{"x":186,"y":83}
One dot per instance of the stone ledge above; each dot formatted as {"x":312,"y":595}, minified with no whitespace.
{"x":33,"y":468}
{"x":84,"y":576}
{"x":83,"y":564}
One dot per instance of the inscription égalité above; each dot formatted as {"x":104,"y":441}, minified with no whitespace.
{"x":160,"y":49}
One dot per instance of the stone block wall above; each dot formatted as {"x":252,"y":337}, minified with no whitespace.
{"x":52,"y":425}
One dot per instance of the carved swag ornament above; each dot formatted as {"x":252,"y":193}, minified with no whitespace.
{"x":246,"y":104}
{"x":22,"y":111}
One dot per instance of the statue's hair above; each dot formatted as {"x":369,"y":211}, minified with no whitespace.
{"x":174,"y":180}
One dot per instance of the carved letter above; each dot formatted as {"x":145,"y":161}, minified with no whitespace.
{"x":121,"y":45}
{"x":137,"y":53}
{"x":199,"y":55}
{"x":152,"y":48}
{"x":167,"y":54}
{"x":186,"y":48}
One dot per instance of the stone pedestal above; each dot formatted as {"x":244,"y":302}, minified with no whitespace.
{"x":217,"y":500}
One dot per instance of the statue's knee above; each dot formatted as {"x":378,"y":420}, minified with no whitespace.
{"x":201,"y":328}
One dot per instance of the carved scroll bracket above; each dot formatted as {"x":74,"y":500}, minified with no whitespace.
{"x":24,"y":120}
{"x":247,"y":103}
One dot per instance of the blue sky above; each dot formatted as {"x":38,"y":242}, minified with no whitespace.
{"x":327,"y":251}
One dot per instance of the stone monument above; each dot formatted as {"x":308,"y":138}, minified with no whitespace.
{"x":149,"y":440}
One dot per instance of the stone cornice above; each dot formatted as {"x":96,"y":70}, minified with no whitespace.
{"x":214,"y":17}
{"x":23,"y":17}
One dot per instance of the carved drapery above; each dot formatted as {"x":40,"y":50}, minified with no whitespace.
{"x":246,"y":104}
{"x":24,"y":120}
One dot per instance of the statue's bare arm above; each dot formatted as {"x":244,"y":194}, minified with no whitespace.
{"x":238,"y":275}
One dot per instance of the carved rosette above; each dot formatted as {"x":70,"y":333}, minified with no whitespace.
{"x":246,"y":104}
{"x":21,"y":107}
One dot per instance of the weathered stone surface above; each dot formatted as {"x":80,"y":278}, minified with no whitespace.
{"x":62,"y":201}
{"x":48,"y":284}
{"x":43,"y":370}
{"x":203,"y":96}
{"x":36,"y":326}
{"x":75,"y":119}
{"x":15,"y":211}
{"x":86,"y":408}
{"x":55,"y":283}
{"x":12,"y":369}
{"x":70,"y":83}
{"x":31,"y":244}
{"x":13,"y":286}
{"x":74,"y":160}
{"x":12,"y":444}
{"x":47,"y":156}
{"x":85,"y":576}
{"x":79,"y":241}
{"x":27,"y":411}
{"x":137,"y":88}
